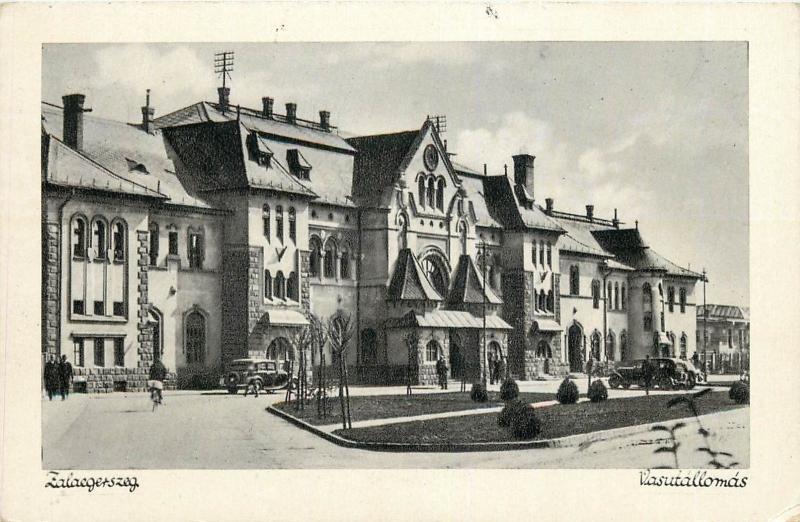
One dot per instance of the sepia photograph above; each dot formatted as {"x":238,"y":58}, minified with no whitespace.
{"x":350,"y":255}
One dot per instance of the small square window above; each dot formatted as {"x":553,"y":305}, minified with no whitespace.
{"x":99,"y":352}
{"x":78,"y":307}
{"x":119,"y":308}
{"x":173,"y":243}
{"x":99,"y":308}
{"x":78,"y":351}
{"x":119,"y":351}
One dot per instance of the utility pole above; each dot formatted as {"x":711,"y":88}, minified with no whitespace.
{"x":705,"y":314}
{"x":484,"y":362}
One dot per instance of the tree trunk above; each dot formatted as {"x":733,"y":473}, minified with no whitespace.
{"x":341,"y":394}
{"x":347,"y":393}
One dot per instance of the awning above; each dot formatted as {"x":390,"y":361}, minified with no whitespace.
{"x":662,"y":339}
{"x":546,"y":325}
{"x":447,"y":319}
{"x":286,"y":318}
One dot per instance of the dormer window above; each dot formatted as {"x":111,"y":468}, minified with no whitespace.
{"x":259,"y":151}
{"x":298,"y":164}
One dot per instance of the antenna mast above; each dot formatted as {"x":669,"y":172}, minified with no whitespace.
{"x":223,"y":65}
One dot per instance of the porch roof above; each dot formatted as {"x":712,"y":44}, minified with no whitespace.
{"x":447,"y":319}
{"x":286,"y":318}
{"x":547,"y":325}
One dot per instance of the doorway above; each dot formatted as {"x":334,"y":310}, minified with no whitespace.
{"x":575,"y":343}
{"x":456,"y":357}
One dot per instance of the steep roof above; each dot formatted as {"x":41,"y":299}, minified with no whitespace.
{"x":408,"y":282}
{"x":378,"y":162}
{"x":579,"y":237}
{"x":116,"y":157}
{"x":503,"y":203}
{"x":628,"y":246}
{"x":467,"y":286}
{"x":474,"y":188}
{"x":716,"y":311}
{"x":446,"y":319}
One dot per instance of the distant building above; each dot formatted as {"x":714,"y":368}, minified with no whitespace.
{"x":727,"y":337}
{"x":213,"y":232}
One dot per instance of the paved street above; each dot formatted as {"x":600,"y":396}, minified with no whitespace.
{"x":214,"y":430}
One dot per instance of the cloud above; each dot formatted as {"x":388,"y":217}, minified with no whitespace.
{"x":387,"y":55}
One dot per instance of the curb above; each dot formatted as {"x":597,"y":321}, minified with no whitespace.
{"x":581,"y":439}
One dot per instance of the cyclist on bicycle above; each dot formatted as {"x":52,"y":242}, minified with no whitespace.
{"x":158,"y":373}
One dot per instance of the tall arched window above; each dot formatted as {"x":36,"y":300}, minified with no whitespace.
{"x":549,"y":255}
{"x":156,"y":324}
{"x":647,"y":306}
{"x":616,"y":296}
{"x":280,"y":286}
{"x":610,"y":346}
{"x":435,"y":271}
{"x":402,"y":239}
{"x":421,"y":190}
{"x":280,"y":349}
{"x":197,"y":250}
{"x":315,"y":256}
{"x":292,"y":287}
{"x":609,"y":300}
{"x":543,"y":349}
{"x":344,"y":263}
{"x":195,"y":324}
{"x":118,"y":240}
{"x":541,"y":254}
{"x":682,"y":299}
{"x":462,"y":237}
{"x":152,"y":228}
{"x":671,"y":298}
{"x":432,"y":351}
{"x":574,"y":280}
{"x":265,"y":220}
{"x":79,"y":237}
{"x":623,"y":345}
{"x":330,"y":258}
{"x":535,"y":252}
{"x":431,"y":191}
{"x":267,"y":285}
{"x":279,"y":222}
{"x":623,"y":297}
{"x":542,"y":300}
{"x":595,"y":345}
{"x":292,"y":224}
{"x":550,"y":302}
{"x":100,"y":237}
{"x":683,"y":345}
{"x":440,"y":194}
{"x":595,"y":293}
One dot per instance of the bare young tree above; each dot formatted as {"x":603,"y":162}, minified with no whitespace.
{"x":319,"y":338}
{"x":340,"y":331}
{"x":412,"y":343}
{"x":302,"y":342}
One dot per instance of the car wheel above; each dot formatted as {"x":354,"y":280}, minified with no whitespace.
{"x":258,"y":385}
{"x":614,"y":381}
{"x":626,"y":385}
{"x":233,"y":390}
{"x":690,"y":382}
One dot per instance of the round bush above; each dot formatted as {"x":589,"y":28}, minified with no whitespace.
{"x":740,"y":393}
{"x":526,"y":425}
{"x":567,"y":392}
{"x":598,"y":391}
{"x":478,"y":393}
{"x":511,"y":411}
{"x":509,"y":390}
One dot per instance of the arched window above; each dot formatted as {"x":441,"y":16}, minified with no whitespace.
{"x":435,"y":271}
{"x":196,"y":249}
{"x":156,"y":324}
{"x":440,"y":194}
{"x":195,"y":324}
{"x":683,"y":345}
{"x":432,"y":351}
{"x":330,"y":258}
{"x":647,"y":307}
{"x":595,"y":344}
{"x":421,"y":190}
{"x":542,"y":300}
{"x":609,"y":300}
{"x":292,"y":287}
{"x":550,"y":303}
{"x":671,"y":298}
{"x":616,"y":296}
{"x":541,"y":254}
{"x":265,"y":220}
{"x":595,"y":293}
{"x":682,"y":298}
{"x":152,"y":228}
{"x":292,"y":224}
{"x":315,"y":257}
{"x":280,"y":349}
{"x":535,"y":252}
{"x":460,"y":207}
{"x":369,"y":352}
{"x":79,"y":237}
{"x":574,"y":280}
{"x":462,"y":237}
{"x":623,"y":296}
{"x":431,"y":191}
{"x":279,"y":222}
{"x":100,"y":237}
{"x":550,"y":255}
{"x":623,"y":345}
{"x":119,"y":240}
{"x":610,"y":346}
{"x":280,"y":286}
{"x":267,"y":285}
{"x":543,"y":350}
{"x":344,"y":263}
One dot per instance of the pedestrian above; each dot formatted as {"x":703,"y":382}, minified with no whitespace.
{"x":504,"y":368}
{"x":647,"y":374}
{"x":65,"y":376}
{"x":498,"y":368}
{"x":158,"y":373}
{"x":441,"y":370}
{"x":492,"y":368}
{"x":250,"y":380}
{"x":52,"y":377}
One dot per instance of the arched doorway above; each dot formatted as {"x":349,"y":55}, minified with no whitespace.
{"x":543,"y":351}
{"x":195,"y":324}
{"x":456,"y":357}
{"x":155,"y":322}
{"x":574,"y":342}
{"x":280,"y":349}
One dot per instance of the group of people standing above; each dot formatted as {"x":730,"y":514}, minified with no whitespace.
{"x":57,"y":377}
{"x":497,"y":368}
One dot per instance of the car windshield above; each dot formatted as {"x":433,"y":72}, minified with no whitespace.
{"x":271,"y":366}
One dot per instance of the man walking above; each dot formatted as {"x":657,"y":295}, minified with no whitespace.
{"x":441,"y":370}
{"x":250,"y":381}
{"x":65,"y":374}
{"x":52,"y":377}
{"x":647,"y":374}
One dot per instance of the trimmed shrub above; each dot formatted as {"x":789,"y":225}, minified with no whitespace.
{"x":511,"y":411}
{"x":740,"y":393}
{"x":567,"y":392}
{"x":526,"y":425}
{"x":598,"y":391}
{"x":478,"y":393}
{"x":509,"y":390}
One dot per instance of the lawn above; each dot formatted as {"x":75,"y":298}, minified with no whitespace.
{"x":557,"y":421}
{"x":388,"y":406}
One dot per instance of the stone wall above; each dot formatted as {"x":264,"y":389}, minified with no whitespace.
{"x":51,"y":279}
{"x":107,"y":380}
{"x":145,"y":335}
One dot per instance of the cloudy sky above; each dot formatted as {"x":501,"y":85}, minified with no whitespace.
{"x":656,"y":130}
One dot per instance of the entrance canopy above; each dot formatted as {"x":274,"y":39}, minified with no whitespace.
{"x":662,"y":339}
{"x":546,"y":325}
{"x":446,"y":319}
{"x":285,"y":318}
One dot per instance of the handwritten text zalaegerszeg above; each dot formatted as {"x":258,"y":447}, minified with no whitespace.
{"x":57,"y":481}
{"x":694,"y":479}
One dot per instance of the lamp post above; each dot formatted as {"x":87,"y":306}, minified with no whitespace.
{"x":484,"y":363}
{"x":705,"y":314}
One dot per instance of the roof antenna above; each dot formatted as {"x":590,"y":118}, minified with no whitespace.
{"x":637,"y":224}
{"x":505,"y":168}
{"x":484,"y":169}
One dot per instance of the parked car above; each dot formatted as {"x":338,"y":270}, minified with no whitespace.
{"x":668,"y":374}
{"x":268,"y":375}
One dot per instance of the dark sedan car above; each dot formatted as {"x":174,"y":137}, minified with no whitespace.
{"x":668,"y":374}
{"x":267,"y":374}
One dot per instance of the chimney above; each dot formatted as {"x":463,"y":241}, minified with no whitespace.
{"x":590,"y":212}
{"x":615,"y":221}
{"x":147,"y":115}
{"x":73,"y":120}
{"x":325,"y":120}
{"x":291,"y":113}
{"x":267,"y":104}
{"x":224,"y":97}
{"x":523,"y":171}
{"x":549,"y":205}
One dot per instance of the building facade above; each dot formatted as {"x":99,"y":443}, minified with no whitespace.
{"x":215,"y":231}
{"x":723,"y":338}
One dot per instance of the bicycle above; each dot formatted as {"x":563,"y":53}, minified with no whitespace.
{"x":155,"y":388}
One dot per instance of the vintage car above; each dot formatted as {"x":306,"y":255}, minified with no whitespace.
{"x":269,"y":375}
{"x":668,"y":374}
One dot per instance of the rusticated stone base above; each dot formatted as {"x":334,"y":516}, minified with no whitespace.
{"x":107,"y":380}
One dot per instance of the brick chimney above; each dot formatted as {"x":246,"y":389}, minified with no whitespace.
{"x":224,"y":97}
{"x":147,"y":115}
{"x":590,"y":212}
{"x":267,"y":104}
{"x":548,"y":205}
{"x":615,"y":221}
{"x":73,"y":120}
{"x":325,"y":120}
{"x":291,"y":112}
{"x":523,"y":171}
